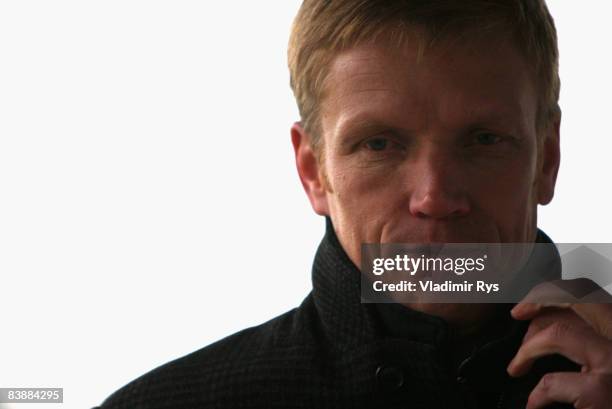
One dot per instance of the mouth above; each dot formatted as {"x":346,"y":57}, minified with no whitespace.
{"x":430,"y":234}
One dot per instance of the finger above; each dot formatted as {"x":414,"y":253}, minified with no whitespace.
{"x":559,"y":293}
{"x":550,"y":316}
{"x":562,"y":387}
{"x":582,"y":390}
{"x":583,"y":347}
{"x":543,"y":295}
{"x":599,"y":316}
{"x":526,"y":311}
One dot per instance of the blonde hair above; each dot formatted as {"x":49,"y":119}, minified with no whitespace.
{"x":323,"y":28}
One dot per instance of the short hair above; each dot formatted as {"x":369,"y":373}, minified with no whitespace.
{"x":323,"y":28}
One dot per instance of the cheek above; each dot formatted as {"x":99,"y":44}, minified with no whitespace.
{"x":507,"y":196}
{"x":360,"y":200}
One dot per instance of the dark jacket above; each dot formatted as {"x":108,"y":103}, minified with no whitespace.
{"x":335,"y":352}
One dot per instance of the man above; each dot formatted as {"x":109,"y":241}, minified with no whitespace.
{"x":422,"y":121}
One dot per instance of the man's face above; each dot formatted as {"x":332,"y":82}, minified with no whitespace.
{"x":443,"y":149}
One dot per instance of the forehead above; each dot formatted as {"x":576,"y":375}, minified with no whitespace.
{"x":447,"y":86}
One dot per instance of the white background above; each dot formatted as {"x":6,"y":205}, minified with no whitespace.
{"x":149,"y":202}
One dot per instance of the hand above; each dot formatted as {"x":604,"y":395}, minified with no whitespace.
{"x":580,"y":332}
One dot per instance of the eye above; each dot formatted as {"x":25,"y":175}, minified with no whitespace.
{"x":377,"y":144}
{"x":487,"y":138}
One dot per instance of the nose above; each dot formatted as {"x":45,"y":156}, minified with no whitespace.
{"x":439,"y":192}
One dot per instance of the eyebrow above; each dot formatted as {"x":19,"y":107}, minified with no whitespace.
{"x":358,"y":126}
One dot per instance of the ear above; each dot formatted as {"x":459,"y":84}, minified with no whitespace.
{"x":550,"y":159}
{"x":309,"y":170}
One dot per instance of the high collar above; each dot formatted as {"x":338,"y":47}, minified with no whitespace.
{"x":337,"y":294}
{"x":349,"y":322}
